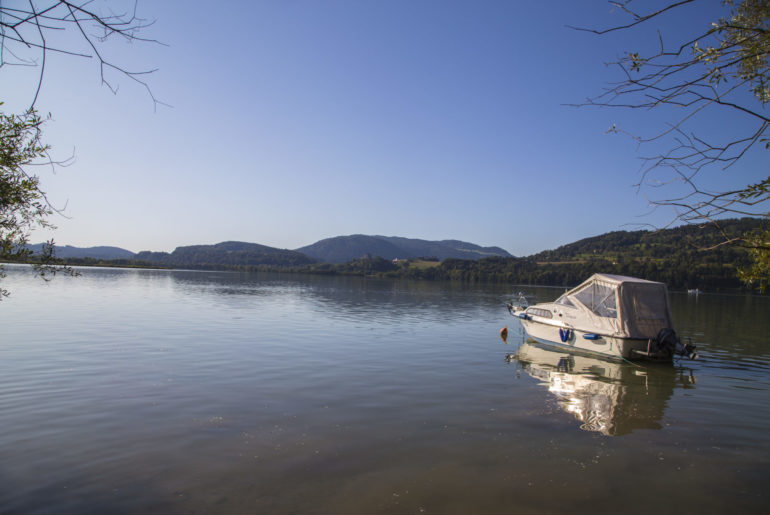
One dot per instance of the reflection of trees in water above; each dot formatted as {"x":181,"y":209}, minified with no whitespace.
{"x":607,"y":397}
{"x":351,"y":297}
{"x":737,"y":324}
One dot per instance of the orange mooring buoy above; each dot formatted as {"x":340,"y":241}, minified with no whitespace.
{"x":504,"y":333}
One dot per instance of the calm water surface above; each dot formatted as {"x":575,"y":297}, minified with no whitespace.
{"x":127,"y":391}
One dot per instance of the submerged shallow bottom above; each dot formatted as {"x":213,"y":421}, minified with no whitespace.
{"x":180,"y":392}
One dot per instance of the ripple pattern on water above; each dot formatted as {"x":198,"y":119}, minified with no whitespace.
{"x":142,"y":391}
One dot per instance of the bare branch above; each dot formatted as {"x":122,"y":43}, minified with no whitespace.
{"x":726,"y":67}
{"x":637,"y":17}
{"x":27,"y":28}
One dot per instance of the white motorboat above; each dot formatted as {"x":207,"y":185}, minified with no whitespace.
{"x":611,"y":315}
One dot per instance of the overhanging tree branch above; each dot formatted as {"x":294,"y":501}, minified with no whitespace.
{"x":30,"y":30}
{"x":23,"y":37}
{"x":726,"y":67}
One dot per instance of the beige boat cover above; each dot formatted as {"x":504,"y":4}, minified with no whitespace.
{"x":618,"y":305}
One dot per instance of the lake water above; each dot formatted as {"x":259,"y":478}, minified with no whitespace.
{"x":139,"y":391}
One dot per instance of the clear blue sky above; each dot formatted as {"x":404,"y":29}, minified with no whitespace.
{"x":294,"y":121}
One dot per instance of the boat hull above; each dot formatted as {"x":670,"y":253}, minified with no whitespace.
{"x":559,"y":335}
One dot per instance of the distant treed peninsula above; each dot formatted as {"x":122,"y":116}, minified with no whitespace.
{"x":683,"y":257}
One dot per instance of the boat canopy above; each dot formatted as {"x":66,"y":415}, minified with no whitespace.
{"x":620,"y":306}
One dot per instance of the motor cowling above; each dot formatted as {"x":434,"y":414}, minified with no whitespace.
{"x":668,"y":342}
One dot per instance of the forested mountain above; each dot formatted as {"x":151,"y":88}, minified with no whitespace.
{"x":227,"y":254}
{"x":68,"y":251}
{"x":445,"y":248}
{"x":342,"y":249}
{"x":682,"y":257}
{"x":346,"y":248}
{"x":657,"y":244}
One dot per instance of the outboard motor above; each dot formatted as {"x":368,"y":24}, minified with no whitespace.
{"x":518,"y":306}
{"x":668,"y":342}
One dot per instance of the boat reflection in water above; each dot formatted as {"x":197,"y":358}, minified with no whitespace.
{"x":613,"y":398}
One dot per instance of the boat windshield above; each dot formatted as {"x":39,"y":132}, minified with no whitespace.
{"x":599,"y":298}
{"x":564,"y":301}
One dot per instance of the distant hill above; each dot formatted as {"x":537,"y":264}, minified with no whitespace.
{"x":342,"y":249}
{"x":683,"y":257}
{"x":70,"y":252}
{"x":662,"y":244}
{"x":688,"y":256}
{"x":226,"y":254}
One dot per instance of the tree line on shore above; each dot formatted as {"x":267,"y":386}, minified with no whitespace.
{"x":683,"y":258}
